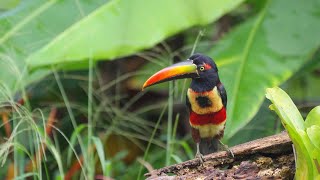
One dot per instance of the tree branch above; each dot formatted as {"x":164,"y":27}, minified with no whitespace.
{"x":252,"y":155}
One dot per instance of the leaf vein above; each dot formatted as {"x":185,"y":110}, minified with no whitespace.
{"x":244,"y":58}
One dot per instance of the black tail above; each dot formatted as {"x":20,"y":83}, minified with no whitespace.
{"x":208,"y":146}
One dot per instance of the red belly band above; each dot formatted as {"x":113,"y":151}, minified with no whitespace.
{"x":212,"y":118}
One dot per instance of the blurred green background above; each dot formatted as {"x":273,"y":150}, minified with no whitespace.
{"x":72,"y":71}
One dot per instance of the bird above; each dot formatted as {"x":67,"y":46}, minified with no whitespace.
{"x":206,"y":99}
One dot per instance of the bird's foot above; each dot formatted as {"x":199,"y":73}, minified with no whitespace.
{"x":200,"y":157}
{"x":226,"y":148}
{"x":229,"y":151}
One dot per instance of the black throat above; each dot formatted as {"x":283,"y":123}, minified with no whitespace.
{"x":204,"y":84}
{"x":203,"y":101}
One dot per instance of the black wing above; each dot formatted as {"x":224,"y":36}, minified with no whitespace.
{"x":223,"y":94}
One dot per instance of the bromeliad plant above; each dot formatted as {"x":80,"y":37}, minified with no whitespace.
{"x":305,"y":134}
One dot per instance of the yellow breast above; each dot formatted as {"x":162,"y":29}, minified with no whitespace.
{"x":210,"y":130}
{"x":213,"y":96}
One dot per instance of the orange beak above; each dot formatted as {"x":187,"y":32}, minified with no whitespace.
{"x":185,"y":69}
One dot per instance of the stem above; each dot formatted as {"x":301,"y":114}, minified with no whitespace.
{"x":69,"y":109}
{"x":90,"y":97}
{"x":169,"y":127}
{"x":151,"y":139}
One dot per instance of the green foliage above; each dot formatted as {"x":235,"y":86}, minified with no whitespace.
{"x":264,"y":52}
{"x":304,"y":134}
{"x":39,"y":36}
{"x":27,"y":28}
{"x":271,"y":42}
{"x":8,"y":4}
{"x":119,"y":28}
{"x":305,"y":85}
{"x":262,"y":125}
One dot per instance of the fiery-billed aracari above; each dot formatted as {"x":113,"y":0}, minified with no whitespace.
{"x":206,"y":99}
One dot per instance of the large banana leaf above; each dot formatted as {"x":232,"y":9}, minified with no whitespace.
{"x":44,"y":33}
{"x":263,"y":52}
{"x":28,"y":27}
{"x":121,"y":28}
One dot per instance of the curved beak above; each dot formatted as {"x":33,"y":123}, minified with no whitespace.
{"x":185,"y":69}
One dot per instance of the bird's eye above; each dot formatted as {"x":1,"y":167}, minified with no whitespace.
{"x":201,"y":68}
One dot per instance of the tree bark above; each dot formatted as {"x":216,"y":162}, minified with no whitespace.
{"x":267,"y":158}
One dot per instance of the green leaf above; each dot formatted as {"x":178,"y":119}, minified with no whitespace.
{"x":264,"y":52}
{"x":98,"y":30}
{"x":176,"y":158}
{"x":305,"y":84}
{"x":314,"y":135}
{"x":8,"y":4}
{"x":312,"y":125}
{"x":120,"y":28}
{"x":313,"y":118}
{"x":100,"y":150}
{"x":73,"y":141}
{"x":285,"y":108}
{"x":29,"y":27}
{"x":262,"y":125}
{"x":305,"y":143}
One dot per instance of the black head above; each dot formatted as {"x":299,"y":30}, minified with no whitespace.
{"x":200,"y":68}
{"x":208,"y":73}
{"x":207,"y":64}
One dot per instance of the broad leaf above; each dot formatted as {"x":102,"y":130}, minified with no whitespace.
{"x":305,"y":84}
{"x":313,"y":117}
{"x":120,"y":28}
{"x":69,"y":33}
{"x":8,"y":4}
{"x":312,"y":125}
{"x":28,"y":27}
{"x":314,"y":135}
{"x":262,"y":125}
{"x":306,"y":142}
{"x":263,"y":52}
{"x":285,"y":108}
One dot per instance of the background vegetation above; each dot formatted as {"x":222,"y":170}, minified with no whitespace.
{"x":72,"y":71}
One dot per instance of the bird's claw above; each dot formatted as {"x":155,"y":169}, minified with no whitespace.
{"x":226,"y":148}
{"x":200,"y":157}
{"x":229,"y":152}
